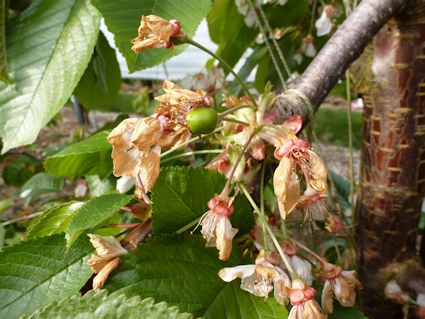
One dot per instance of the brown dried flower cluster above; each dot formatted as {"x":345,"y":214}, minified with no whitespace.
{"x":106,"y":259}
{"x":137,"y":142}
{"x":155,"y":32}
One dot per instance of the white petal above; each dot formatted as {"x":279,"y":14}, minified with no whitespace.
{"x":310,"y":50}
{"x":323,"y":24}
{"x":303,"y":269}
{"x":256,"y":285}
{"x":420,"y":299}
{"x":124,"y":184}
{"x":231,"y":273}
{"x":392,"y":289}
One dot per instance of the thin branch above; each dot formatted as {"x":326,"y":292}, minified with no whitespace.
{"x":342,"y":49}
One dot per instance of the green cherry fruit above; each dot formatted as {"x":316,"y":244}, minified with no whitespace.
{"x":202,"y":120}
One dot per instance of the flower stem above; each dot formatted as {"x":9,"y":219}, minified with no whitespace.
{"x":188,"y":226}
{"x":224,"y":63}
{"x":320,"y":259}
{"x":276,"y":45}
{"x":350,"y":142}
{"x":269,"y":48}
{"x":225,"y":119}
{"x":217,"y":151}
{"x":226,"y":188}
{"x":262,"y":211}
{"x":269,"y":231}
{"x":190,"y":141}
{"x":233,"y":109}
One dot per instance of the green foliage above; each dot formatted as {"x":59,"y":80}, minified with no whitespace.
{"x":330,"y":126}
{"x":100,"y":305}
{"x":123,"y":19}
{"x":93,"y":212}
{"x":181,"y":271}
{"x":19,"y":169}
{"x":227,"y":28}
{"x":342,"y":188}
{"x":341,"y":312}
{"x":243,"y":305}
{"x":89,"y":157}
{"x":54,"y":221}
{"x":39,"y":184}
{"x":46,"y":60}
{"x":37,"y":272}
{"x":4,"y":76}
{"x":101,"y":81}
{"x":181,"y":194}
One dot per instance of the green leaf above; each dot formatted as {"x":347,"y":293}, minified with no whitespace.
{"x":19,"y":169}
{"x":123,"y":19}
{"x":233,"y":302}
{"x":341,"y":312}
{"x":37,"y":272}
{"x":99,"y":186}
{"x":101,"y":81}
{"x":250,"y":63}
{"x":227,"y":28}
{"x":100,"y":305}
{"x":181,"y":194}
{"x":4,"y":76}
{"x":89,"y":157}
{"x":93,"y":212}
{"x":48,"y":46}
{"x":181,"y":271}
{"x":53,"y":221}
{"x":41,"y":183}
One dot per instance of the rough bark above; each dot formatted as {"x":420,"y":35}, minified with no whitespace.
{"x":342,"y":49}
{"x":393,"y":171}
{"x":393,"y":158}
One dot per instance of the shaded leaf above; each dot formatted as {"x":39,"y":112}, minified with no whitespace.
{"x":123,"y":19}
{"x":100,"y":305}
{"x":89,"y":157}
{"x":101,"y":81}
{"x":341,"y":312}
{"x":41,"y":183}
{"x":36,"y":272}
{"x":181,"y":271}
{"x":53,"y":221}
{"x":93,"y":212}
{"x":4,"y":76}
{"x":233,"y":302}
{"x":181,"y":194}
{"x":227,"y":28}
{"x":46,"y":60}
{"x":19,"y":169}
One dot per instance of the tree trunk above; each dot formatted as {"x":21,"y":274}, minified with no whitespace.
{"x":393,"y":159}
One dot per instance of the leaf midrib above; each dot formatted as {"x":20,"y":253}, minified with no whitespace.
{"x":44,"y":281}
{"x":27,"y":112}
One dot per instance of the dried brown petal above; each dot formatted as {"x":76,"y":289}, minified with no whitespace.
{"x":153,"y":32}
{"x":286,"y":186}
{"x":173,"y":138}
{"x":317,"y":172}
{"x":102,"y":276}
{"x":107,"y":246}
{"x":327,"y":298}
{"x":120,"y":137}
{"x":149,"y":167}
{"x":146,"y":133}
{"x":224,"y":236}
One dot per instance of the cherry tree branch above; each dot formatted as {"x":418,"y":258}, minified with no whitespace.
{"x":342,"y":49}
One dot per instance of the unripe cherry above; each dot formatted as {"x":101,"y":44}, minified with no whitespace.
{"x":202,"y":120}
